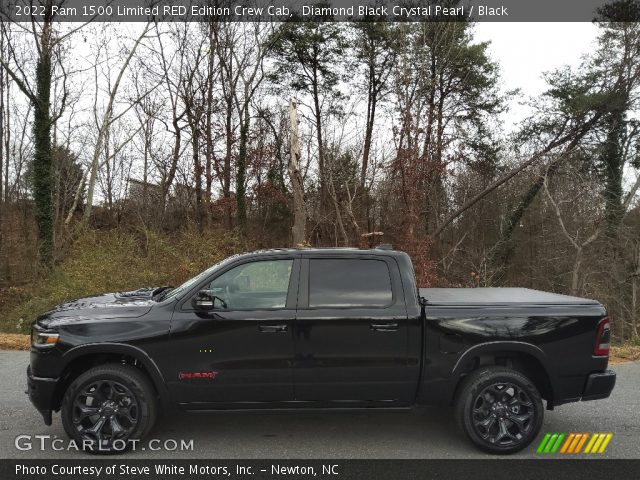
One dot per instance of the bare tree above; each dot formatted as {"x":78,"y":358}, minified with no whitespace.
{"x":574,"y":240}
{"x":104,"y":124}
{"x":249,"y":60}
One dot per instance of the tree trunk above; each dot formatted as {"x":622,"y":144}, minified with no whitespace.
{"x":42,"y":155}
{"x":614,"y":163}
{"x":575,"y":274}
{"x":241,"y":170}
{"x":298,"y":229}
{"x":336,"y":206}
{"x":7,"y":144}
{"x":321,"y":164}
{"x":226,"y":184}
{"x":634,"y":308}
{"x":209,"y":133}
{"x":2,"y":77}
{"x":366,"y":150}
{"x":372,"y":99}
{"x":171,"y":175}
{"x":197,"y":167}
{"x":504,"y":248}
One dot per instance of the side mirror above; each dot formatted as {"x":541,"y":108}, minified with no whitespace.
{"x":205,"y":301}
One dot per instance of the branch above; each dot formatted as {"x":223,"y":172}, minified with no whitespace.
{"x":21,"y":85}
{"x":577,"y":136}
{"x":630,"y":196}
{"x":573,"y":241}
{"x":65,"y":93}
{"x":559,"y":216}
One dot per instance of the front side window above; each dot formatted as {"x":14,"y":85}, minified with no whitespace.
{"x":252,"y":286}
{"x":337,"y":283}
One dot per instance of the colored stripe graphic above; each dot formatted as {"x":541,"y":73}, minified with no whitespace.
{"x":607,"y":439}
{"x":573,"y":443}
{"x":592,"y":441}
{"x":567,"y":442}
{"x":582,"y":440}
{"x":555,"y":447}
{"x":543,"y":443}
{"x":550,"y":443}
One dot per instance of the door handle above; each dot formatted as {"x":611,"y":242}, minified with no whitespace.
{"x":273,"y":328}
{"x":383,"y":327}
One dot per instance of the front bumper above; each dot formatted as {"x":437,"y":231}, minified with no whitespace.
{"x":41,"y":392}
{"x":599,"y":385}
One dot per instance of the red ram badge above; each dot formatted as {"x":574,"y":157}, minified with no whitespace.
{"x":197,"y":375}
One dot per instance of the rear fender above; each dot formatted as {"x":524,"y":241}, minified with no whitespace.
{"x":488,"y":349}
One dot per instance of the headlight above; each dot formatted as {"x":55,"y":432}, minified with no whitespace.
{"x":43,"y":339}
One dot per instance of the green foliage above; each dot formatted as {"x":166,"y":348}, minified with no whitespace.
{"x":623,"y":11}
{"x":116,"y":260}
{"x":67,"y":174}
{"x":459,"y":81}
{"x":307,"y":55}
{"x":375,"y":47}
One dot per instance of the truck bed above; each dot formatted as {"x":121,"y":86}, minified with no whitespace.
{"x":471,"y":297}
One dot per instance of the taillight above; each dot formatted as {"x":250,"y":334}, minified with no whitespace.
{"x":603,"y":337}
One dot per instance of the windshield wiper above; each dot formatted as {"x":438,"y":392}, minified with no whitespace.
{"x":160,"y":292}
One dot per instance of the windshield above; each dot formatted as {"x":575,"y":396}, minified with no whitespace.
{"x":189,"y":283}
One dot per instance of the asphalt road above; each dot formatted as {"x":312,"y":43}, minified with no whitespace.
{"x":419,"y":433}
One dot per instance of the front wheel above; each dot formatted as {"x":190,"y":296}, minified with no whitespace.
{"x":499,"y":409}
{"x":107,"y":407}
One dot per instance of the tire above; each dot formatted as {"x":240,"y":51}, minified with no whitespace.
{"x":499,"y":409}
{"x":107,"y":407}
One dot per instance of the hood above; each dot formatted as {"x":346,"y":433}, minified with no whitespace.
{"x":131,"y":304}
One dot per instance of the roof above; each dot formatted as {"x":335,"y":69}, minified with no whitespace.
{"x":325,"y":251}
{"x":498,"y":297}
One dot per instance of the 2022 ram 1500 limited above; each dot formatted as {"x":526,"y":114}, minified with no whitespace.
{"x":317,"y":328}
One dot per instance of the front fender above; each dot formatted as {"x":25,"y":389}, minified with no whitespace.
{"x":138,"y":354}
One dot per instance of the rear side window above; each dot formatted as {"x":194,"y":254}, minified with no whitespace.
{"x":349,"y":283}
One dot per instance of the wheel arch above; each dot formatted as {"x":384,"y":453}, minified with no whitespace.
{"x":521,"y":356}
{"x":80,"y":359}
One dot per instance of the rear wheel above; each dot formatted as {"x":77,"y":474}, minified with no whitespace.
{"x":499,"y":409}
{"x":107,"y":407}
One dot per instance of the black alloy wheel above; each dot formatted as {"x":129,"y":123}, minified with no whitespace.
{"x":107,"y":407}
{"x":105,"y":411}
{"x":499,"y":409}
{"x":503,"y":414}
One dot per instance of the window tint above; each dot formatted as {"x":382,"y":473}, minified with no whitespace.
{"x":349,"y":283}
{"x":254,"y":285}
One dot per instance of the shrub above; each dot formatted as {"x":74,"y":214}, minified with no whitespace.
{"x":115,"y":260}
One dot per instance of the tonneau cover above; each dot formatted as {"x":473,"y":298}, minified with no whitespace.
{"x":498,"y":297}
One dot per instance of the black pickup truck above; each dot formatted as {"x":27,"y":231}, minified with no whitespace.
{"x":317,"y":328}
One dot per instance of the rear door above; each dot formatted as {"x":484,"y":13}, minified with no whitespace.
{"x":351,"y":333}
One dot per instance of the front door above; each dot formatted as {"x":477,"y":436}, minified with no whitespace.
{"x":351,"y":333}
{"x":242,"y":351}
